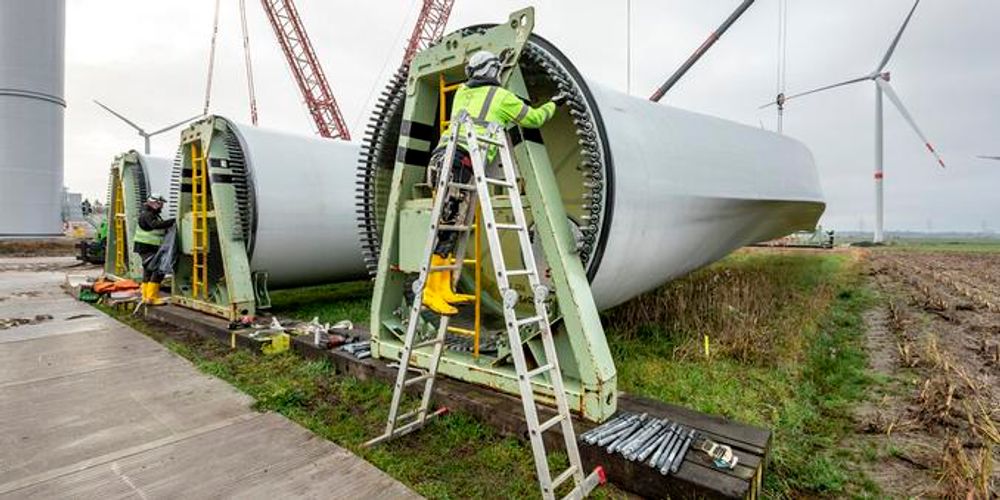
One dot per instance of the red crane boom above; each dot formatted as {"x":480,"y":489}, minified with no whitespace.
{"x":429,"y":28}
{"x":305,"y":66}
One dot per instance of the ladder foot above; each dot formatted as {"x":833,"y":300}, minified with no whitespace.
{"x":602,"y":477}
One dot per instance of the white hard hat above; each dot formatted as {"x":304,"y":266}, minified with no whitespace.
{"x":483,"y":65}
{"x":156,"y":197}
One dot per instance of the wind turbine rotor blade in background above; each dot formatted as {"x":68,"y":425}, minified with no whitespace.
{"x":120,"y":117}
{"x":989,"y":157}
{"x":813,"y":91}
{"x":895,"y":41}
{"x":889,"y":92}
{"x":178,"y":124}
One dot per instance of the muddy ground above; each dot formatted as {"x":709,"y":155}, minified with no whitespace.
{"x":931,"y":426}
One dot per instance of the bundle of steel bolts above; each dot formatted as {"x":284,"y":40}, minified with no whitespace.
{"x":660,"y":443}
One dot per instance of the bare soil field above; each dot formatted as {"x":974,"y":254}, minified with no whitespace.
{"x":932,"y":427}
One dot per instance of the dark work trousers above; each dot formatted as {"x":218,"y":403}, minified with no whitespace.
{"x":147,"y":254}
{"x":458,"y":201}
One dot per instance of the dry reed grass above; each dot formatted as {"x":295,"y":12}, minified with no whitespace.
{"x":754,"y":309}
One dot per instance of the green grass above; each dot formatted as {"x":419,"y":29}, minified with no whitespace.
{"x":800,"y":378}
{"x":331,"y":303}
{"x":786,"y":353}
{"x":930,"y":245}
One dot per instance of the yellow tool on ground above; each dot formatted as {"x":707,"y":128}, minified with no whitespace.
{"x":279,"y":343}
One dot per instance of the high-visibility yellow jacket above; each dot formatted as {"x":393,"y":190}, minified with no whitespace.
{"x":150,"y":229}
{"x":491,"y":104}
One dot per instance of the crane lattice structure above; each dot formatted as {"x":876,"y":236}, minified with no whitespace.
{"x":306,"y":68}
{"x":429,"y":27}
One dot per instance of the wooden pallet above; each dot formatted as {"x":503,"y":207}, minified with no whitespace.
{"x":696,"y":478}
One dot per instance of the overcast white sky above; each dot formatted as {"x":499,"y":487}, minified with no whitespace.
{"x":149,"y":58}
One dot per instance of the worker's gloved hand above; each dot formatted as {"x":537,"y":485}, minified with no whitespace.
{"x":560,"y":98}
{"x":170,"y":222}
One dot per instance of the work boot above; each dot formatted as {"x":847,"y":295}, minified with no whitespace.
{"x":144,"y":288}
{"x":432,"y":293}
{"x":154,"y":295}
{"x":436,"y":303}
{"x":444,"y":284}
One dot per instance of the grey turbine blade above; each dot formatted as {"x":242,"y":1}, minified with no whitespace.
{"x":889,"y":92}
{"x":895,"y":41}
{"x":120,"y":117}
{"x":178,"y":124}
{"x":827,"y":87}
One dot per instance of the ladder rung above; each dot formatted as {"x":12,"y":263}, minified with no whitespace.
{"x":463,"y":187}
{"x":408,"y":415}
{"x":487,"y":140}
{"x":528,"y":321}
{"x":461,"y":331}
{"x":426,"y":343}
{"x":416,"y":380}
{"x":499,"y":182}
{"x":519,"y":272}
{"x":406,"y":429}
{"x":538,"y":371}
{"x":451,"y":227}
{"x":513,"y":227}
{"x":550,"y":423}
{"x":561,"y":478}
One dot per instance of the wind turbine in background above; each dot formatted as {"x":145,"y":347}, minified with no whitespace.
{"x":882,"y":86}
{"x":142,"y":132}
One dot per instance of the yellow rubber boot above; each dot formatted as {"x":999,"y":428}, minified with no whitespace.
{"x":144,"y":288}
{"x":154,"y":295}
{"x":443,"y":285}
{"x":433,"y":299}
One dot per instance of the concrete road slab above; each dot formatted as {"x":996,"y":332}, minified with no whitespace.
{"x":244,"y":463}
{"x":93,"y":409}
{"x":40,"y":356}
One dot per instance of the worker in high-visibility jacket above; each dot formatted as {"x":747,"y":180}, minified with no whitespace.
{"x":148,"y":237}
{"x":486,"y":102}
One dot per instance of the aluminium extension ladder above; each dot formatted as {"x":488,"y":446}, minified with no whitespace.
{"x":397,"y":424}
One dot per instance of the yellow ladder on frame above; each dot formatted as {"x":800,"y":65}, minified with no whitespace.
{"x":199,"y":223}
{"x":444,"y":89}
{"x":120,"y":242}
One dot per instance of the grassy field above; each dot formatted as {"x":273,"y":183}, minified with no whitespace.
{"x":964,"y":246}
{"x":785,"y":352}
{"x":331,"y":303}
{"x":784,"y":334}
{"x":939,"y":244}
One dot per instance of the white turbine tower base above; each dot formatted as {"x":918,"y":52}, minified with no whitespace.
{"x":882,"y":86}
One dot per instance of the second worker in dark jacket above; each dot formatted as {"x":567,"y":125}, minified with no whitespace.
{"x":147,"y":240}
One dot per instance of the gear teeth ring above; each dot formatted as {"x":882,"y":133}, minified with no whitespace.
{"x":382,"y":133}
